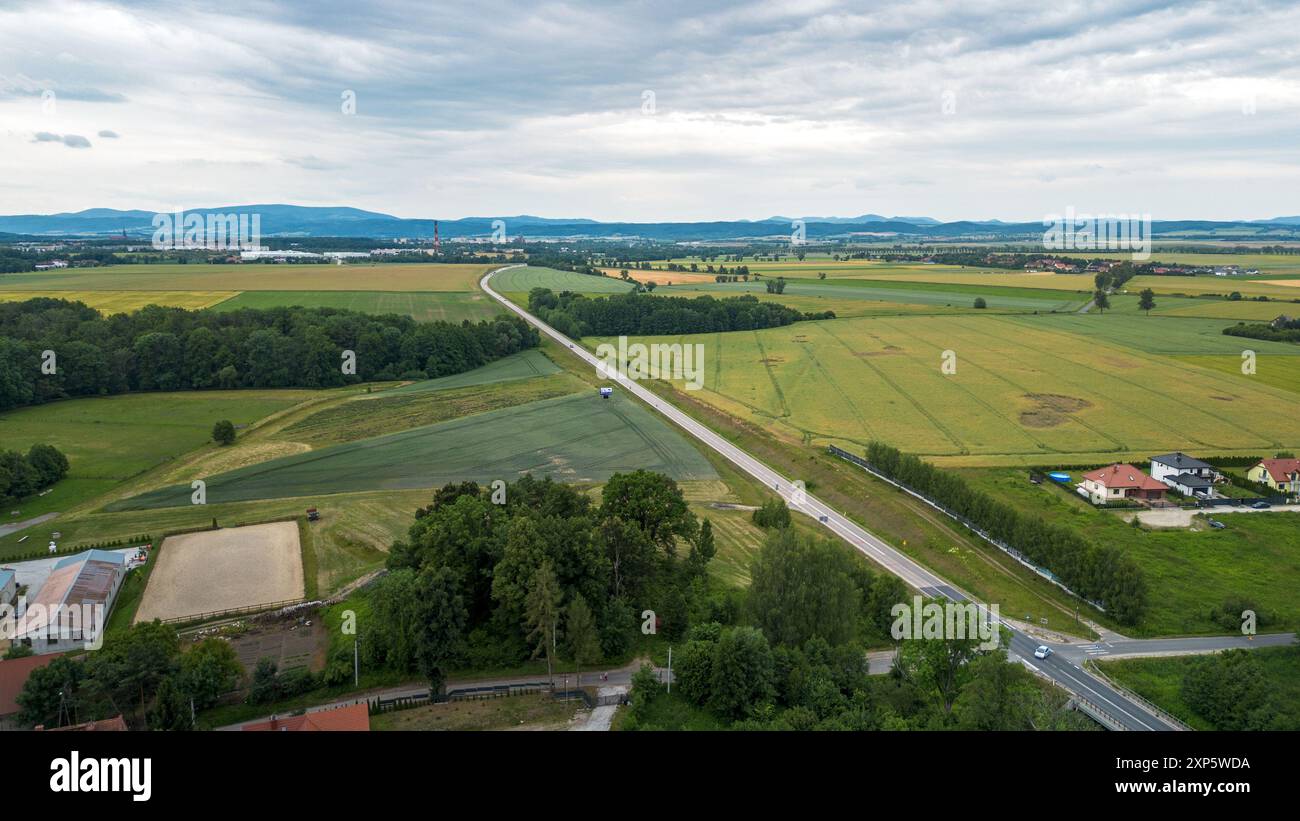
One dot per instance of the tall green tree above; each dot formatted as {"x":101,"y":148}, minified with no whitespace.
{"x":441,"y":619}
{"x":542,"y":615}
{"x":580,"y":635}
{"x":1100,"y":300}
{"x":1147,"y":300}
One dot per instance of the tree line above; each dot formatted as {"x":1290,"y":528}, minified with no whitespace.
{"x":141,"y":674}
{"x":637,"y":314}
{"x":157,"y":348}
{"x":1282,"y":329}
{"x":1095,"y":572}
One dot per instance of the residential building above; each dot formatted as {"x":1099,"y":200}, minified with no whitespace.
{"x":1121,"y":482}
{"x":116,"y":724}
{"x":1188,"y":476}
{"x":1283,"y":475}
{"x":13,"y":675}
{"x":352,"y":718}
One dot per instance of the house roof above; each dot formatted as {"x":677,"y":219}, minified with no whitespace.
{"x":353,"y":717}
{"x":13,"y":675}
{"x":1191,"y":480}
{"x":115,"y":724}
{"x":1125,"y":476}
{"x":1280,"y":469}
{"x":86,"y":578}
{"x":1181,"y":461}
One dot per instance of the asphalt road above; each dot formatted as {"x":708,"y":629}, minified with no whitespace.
{"x":1059,"y":668}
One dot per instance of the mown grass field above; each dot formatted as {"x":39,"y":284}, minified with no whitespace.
{"x":577,"y":438}
{"x":522,"y":280}
{"x":120,"y":302}
{"x":1255,"y":286}
{"x":523,"y":365}
{"x":531,"y":712}
{"x":446,"y":306}
{"x":1160,"y":680}
{"x":1032,"y":390}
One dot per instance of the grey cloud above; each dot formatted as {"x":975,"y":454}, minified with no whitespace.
{"x":109,"y":135}
{"x":70,"y":140}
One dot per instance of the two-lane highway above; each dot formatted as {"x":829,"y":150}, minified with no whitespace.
{"x":1065,"y":672}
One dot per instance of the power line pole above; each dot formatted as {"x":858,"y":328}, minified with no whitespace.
{"x":670,"y":668}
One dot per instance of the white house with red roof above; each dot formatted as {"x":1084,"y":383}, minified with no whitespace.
{"x":1121,"y":482}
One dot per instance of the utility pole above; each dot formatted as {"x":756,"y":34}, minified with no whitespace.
{"x":356,"y":663}
{"x":670,"y":668}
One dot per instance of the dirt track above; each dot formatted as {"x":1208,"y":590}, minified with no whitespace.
{"x":222,"y":570}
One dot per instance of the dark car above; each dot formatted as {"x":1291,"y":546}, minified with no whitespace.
{"x":1216,"y":524}
{"x":1261,"y":505}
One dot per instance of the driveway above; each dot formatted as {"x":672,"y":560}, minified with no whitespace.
{"x":1182,"y":517}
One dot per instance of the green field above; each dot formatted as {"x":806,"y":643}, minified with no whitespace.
{"x":1188,"y":571}
{"x":1160,"y":680}
{"x":1027,"y":390}
{"x":421,"y":306}
{"x":998,"y":298}
{"x":524,"y":365}
{"x":110,"y":439}
{"x":522,"y":280}
{"x":579,"y":438}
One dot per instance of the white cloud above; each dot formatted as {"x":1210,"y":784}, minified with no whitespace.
{"x":761,"y":108}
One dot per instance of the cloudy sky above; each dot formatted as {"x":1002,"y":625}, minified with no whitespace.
{"x":654,"y":111}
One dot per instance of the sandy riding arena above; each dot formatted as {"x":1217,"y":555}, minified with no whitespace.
{"x":222,"y":570}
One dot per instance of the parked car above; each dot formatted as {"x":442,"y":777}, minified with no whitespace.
{"x":1042,"y":652}
{"x":1216,"y":524}
{"x":1261,"y":505}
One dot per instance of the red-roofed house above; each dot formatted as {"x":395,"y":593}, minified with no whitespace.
{"x":1119,"y":482}
{"x":1279,"y":474}
{"x":352,"y":718}
{"x":116,"y":724}
{"x":13,"y":675}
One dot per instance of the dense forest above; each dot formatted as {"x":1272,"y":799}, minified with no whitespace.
{"x":1095,"y":572}
{"x":638,"y":314}
{"x":175,"y":349}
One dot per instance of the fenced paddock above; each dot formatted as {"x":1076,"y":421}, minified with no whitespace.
{"x":223,"y":570}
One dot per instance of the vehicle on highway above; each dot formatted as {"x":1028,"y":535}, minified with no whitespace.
{"x":1042,"y":652}
{"x":1261,"y":505}
{"x":821,"y":518}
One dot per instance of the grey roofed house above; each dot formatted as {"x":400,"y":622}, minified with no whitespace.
{"x":1189,"y":484}
{"x":1182,"y":461}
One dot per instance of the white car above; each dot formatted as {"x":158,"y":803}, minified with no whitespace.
{"x":1042,"y":652}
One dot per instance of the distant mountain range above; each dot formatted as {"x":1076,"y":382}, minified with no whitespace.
{"x":301,"y":221}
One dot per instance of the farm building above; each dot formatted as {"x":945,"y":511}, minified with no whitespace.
{"x":72,"y":605}
{"x":1175,"y":464}
{"x":1280,"y":474}
{"x":1121,"y":482}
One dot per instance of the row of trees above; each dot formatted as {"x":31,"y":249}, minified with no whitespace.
{"x":21,"y":475}
{"x":159,"y":348}
{"x":488,"y":583}
{"x":1282,"y":329}
{"x":1095,"y":572}
{"x":637,"y":314}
